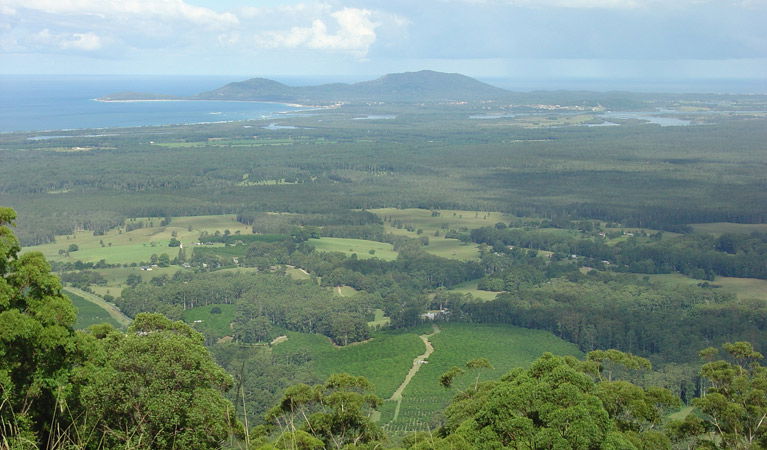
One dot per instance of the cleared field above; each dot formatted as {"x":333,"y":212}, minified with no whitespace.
{"x":446,"y":219}
{"x":384,"y":359}
{"x":118,"y":246}
{"x":505,"y":347}
{"x":219,"y":322}
{"x":379,"y":320}
{"x":729,"y":227}
{"x":361,"y":247}
{"x":89,"y":313}
{"x":743,"y":288}
{"x":344,"y":291}
{"x":429,"y":224}
{"x":116,"y":277}
{"x":452,"y":248}
{"x":121,"y":319}
{"x":296,"y":273}
{"x":470,"y":287}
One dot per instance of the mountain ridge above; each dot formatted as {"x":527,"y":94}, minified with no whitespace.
{"x":405,"y":87}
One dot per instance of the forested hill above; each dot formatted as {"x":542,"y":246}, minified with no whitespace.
{"x":425,"y":85}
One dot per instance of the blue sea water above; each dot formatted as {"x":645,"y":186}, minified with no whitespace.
{"x":65,"y":102}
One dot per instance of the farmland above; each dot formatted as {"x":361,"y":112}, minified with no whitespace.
{"x":215,"y":317}
{"x":505,"y":347}
{"x":120,"y":246}
{"x":89,"y":313}
{"x":364,"y":249}
{"x":386,"y":358}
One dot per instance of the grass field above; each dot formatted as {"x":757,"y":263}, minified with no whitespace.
{"x":388,"y":356}
{"x":89,"y":313}
{"x":729,"y":227}
{"x":447,"y":219}
{"x":121,"y":247}
{"x":384,"y":360}
{"x":452,"y":248}
{"x":344,"y":291}
{"x":470,"y":287}
{"x":359,"y":246}
{"x":218,"y":323}
{"x":296,"y":273}
{"x":743,"y":288}
{"x":379,"y":320}
{"x":504,"y":346}
{"x":111,"y":310}
{"x":117,"y":276}
{"x":423,"y":219}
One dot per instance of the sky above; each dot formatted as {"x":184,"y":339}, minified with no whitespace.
{"x":361,"y":39}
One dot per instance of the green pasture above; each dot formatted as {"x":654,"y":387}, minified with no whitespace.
{"x":117,"y":276}
{"x":120,"y":247}
{"x":218,"y":323}
{"x":729,"y":227}
{"x":452,"y":249}
{"x":506,"y":347}
{"x":111,"y":310}
{"x":743,"y":288}
{"x":359,"y":246}
{"x":379,"y":320}
{"x":89,"y":313}
{"x":384,"y":360}
{"x":470,"y":287}
{"x":297,"y":274}
{"x":446,"y":220}
{"x":344,"y":291}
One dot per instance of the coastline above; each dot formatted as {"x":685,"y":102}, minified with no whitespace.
{"x":139,"y":100}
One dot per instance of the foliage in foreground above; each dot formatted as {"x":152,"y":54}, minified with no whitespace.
{"x":155,"y":387}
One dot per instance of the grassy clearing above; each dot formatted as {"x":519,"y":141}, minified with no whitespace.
{"x":452,"y":248}
{"x":120,"y":247}
{"x":506,"y":347}
{"x":447,"y":219}
{"x":359,"y":246}
{"x":344,"y":291}
{"x":89,"y":313}
{"x":379,"y":320}
{"x":384,"y":360}
{"x":121,"y":319}
{"x":218,"y":323}
{"x":429,"y":224}
{"x":743,"y":288}
{"x":729,"y":227}
{"x":296,"y":273}
{"x":470,"y":287}
{"x":117,"y":276}
{"x":682,"y":413}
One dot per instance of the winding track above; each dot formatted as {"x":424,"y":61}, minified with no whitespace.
{"x":397,"y":396}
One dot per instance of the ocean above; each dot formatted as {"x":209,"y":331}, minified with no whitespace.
{"x":66,"y":102}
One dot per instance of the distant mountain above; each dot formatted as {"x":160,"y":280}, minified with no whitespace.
{"x":423,"y":86}
{"x":409,"y":87}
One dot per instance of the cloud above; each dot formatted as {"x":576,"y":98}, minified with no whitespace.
{"x":165,"y":9}
{"x":354,"y":32}
{"x":69,"y":41}
{"x":618,"y":4}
